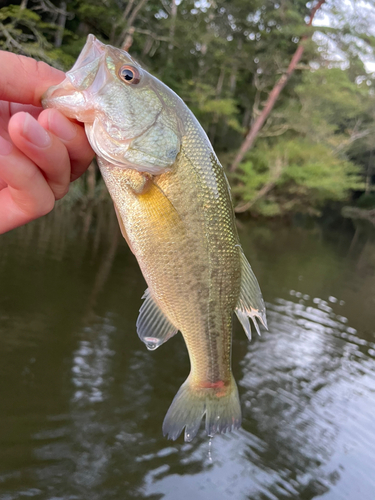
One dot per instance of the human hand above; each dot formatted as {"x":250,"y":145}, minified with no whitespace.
{"x":41,"y":151}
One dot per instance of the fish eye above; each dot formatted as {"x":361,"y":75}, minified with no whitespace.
{"x":129,"y":74}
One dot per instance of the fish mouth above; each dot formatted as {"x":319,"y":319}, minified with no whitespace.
{"x":87,"y":77}
{"x":70,"y":95}
{"x":92,"y":50}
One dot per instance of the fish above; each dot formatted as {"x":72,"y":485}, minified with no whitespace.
{"x":174,"y":208}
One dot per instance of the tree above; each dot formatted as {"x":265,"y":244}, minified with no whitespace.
{"x":224,"y":59}
{"x":273,"y":95}
{"x":24,"y":31}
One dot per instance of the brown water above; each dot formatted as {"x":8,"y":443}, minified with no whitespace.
{"x":82,"y":400}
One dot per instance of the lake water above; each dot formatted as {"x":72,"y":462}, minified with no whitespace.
{"x":82,"y":401}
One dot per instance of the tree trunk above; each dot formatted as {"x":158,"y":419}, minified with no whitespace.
{"x":126,"y":37}
{"x":273,"y":96}
{"x":369,"y":175}
{"x":60,"y":25}
{"x":172,"y":30}
{"x":215,"y":119}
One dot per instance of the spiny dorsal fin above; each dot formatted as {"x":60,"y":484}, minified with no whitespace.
{"x":250,"y":302}
{"x":153,"y":327}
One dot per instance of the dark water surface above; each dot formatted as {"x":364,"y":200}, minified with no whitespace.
{"x":82,"y":401}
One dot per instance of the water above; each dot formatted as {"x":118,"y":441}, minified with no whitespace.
{"x":83,"y":400}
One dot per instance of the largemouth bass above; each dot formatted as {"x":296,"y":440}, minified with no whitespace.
{"x":174,"y":208}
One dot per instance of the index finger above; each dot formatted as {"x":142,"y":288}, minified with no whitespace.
{"x":24,"y":80}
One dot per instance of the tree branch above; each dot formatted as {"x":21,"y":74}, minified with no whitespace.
{"x":125,"y":39}
{"x":10,"y":40}
{"x":273,"y":96}
{"x":353,"y":137}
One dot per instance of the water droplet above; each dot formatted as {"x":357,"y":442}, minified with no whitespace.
{"x":188,"y":437}
{"x":151,"y":347}
{"x":152,"y":343}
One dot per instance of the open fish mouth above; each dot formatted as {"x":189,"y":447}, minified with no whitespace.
{"x":69,"y":96}
{"x":88,"y":77}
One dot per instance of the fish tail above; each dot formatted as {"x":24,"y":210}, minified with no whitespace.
{"x":219,"y":402}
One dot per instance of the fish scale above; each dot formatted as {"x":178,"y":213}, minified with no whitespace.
{"x":174,"y":208}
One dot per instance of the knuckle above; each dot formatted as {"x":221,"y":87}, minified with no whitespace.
{"x":30,"y":175}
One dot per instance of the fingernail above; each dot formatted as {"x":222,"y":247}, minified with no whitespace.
{"x":5,"y":146}
{"x":61,"y":126}
{"x":35,"y":133}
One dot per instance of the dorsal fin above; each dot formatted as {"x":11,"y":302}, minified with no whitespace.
{"x":250,"y":302}
{"x":153,"y":327}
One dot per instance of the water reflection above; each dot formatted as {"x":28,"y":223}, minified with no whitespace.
{"x":90,"y":364}
{"x":302,"y":385}
{"x":83,"y":400}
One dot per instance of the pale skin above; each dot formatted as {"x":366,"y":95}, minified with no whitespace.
{"x":41,"y":151}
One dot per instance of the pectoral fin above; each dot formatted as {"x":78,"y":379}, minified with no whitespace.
{"x":250,"y":303}
{"x":153,"y":327}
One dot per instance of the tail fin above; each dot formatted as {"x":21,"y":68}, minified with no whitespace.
{"x":221,"y":405}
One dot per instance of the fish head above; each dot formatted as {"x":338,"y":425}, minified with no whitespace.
{"x":132,"y":119}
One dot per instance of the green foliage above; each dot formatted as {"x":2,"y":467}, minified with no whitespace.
{"x":223,"y":58}
{"x":24,"y":32}
{"x":254,"y":173}
{"x":330,"y":103}
{"x":366,"y":201}
{"x":304,"y":177}
{"x":318,"y":173}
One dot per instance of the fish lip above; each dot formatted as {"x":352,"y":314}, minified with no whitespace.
{"x":70,"y":96}
{"x":67,"y":99}
{"x":92,"y":53}
{"x":93,"y":49}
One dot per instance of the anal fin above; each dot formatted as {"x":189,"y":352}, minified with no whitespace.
{"x":250,"y":302}
{"x":153,"y":327}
